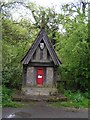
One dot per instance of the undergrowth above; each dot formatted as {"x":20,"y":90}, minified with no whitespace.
{"x":75,"y":99}
{"x":7,"y":99}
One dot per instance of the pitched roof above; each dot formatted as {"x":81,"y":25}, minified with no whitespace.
{"x":42,"y":35}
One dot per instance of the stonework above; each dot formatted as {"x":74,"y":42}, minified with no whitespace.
{"x":30,"y":76}
{"x":49,"y":76}
{"x":39,"y":66}
{"x":46,"y":91}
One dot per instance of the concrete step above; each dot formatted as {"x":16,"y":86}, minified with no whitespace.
{"x":39,"y":91}
{"x":26,"y":98}
{"x":19,"y":96}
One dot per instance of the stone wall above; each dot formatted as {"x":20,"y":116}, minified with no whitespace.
{"x":30,"y":76}
{"x":49,"y":76}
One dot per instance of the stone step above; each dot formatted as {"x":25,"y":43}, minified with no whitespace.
{"x":38,"y":94}
{"x":39,"y":91}
{"x":26,"y":98}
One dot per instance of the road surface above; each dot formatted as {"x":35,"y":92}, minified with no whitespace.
{"x":42,"y":110}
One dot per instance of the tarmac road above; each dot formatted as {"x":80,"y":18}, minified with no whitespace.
{"x":41,"y":110}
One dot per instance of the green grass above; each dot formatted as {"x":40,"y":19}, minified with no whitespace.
{"x":7,"y":100}
{"x":13,"y":104}
{"x":0,"y":96}
{"x":84,"y":104}
{"x":18,"y":104}
{"x":76,"y":99}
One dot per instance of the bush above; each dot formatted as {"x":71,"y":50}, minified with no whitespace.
{"x":6,"y":95}
{"x":6,"y":98}
{"x":12,"y":77}
{"x":0,"y":96}
{"x":87,"y":95}
{"x":77,"y":98}
{"x":60,"y":88}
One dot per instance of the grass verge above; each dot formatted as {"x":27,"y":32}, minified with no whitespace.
{"x":76,"y":99}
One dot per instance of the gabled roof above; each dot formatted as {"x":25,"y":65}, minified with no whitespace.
{"x":42,"y":35}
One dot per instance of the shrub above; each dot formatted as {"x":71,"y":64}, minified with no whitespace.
{"x":77,"y":98}
{"x":7,"y":100}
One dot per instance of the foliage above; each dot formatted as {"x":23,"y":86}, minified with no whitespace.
{"x":61,"y":87}
{"x":79,"y":99}
{"x":0,"y":96}
{"x":73,"y":49}
{"x":13,"y":51}
{"x":7,"y":100}
{"x":70,"y":42}
{"x":11,"y":72}
{"x":75,"y":99}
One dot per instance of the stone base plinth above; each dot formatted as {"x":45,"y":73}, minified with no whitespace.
{"x":38,"y":91}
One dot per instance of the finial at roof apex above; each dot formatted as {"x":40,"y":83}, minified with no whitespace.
{"x":43,"y":23}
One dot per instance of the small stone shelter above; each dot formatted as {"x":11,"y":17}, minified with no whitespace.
{"x":40,"y":63}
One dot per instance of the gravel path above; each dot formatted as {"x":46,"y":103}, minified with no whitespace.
{"x":41,"y":110}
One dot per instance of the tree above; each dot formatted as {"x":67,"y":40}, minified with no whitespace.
{"x":73,"y":48}
{"x":72,"y":45}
